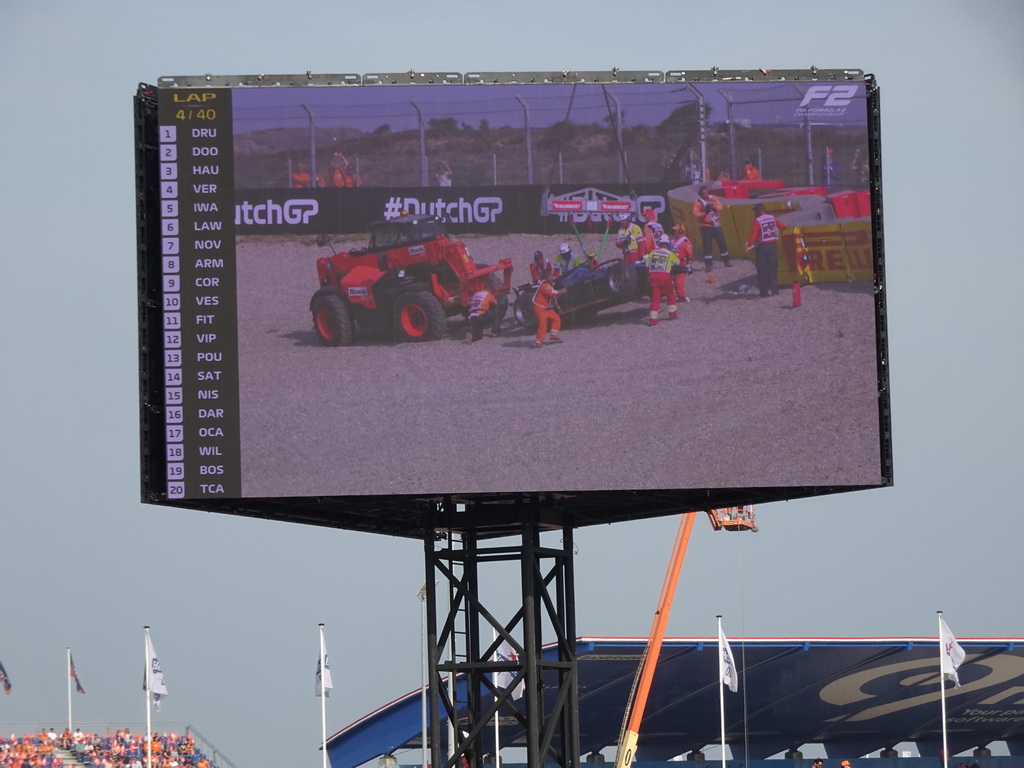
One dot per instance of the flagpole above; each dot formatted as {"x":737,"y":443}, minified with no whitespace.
{"x":69,"y":690}
{"x":422,"y":595}
{"x":149,"y":713}
{"x":942,"y":690}
{"x":721,"y":691}
{"x":497,"y":742}
{"x":323,"y":696}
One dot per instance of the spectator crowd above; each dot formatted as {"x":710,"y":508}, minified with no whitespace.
{"x":122,"y":749}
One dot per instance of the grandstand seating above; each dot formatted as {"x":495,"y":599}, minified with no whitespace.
{"x":122,"y":749}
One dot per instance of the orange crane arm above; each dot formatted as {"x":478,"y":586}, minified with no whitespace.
{"x":638,"y":699}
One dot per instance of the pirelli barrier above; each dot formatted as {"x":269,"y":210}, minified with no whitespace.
{"x":817,"y":246}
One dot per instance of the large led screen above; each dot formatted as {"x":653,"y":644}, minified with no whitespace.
{"x":322,"y":247}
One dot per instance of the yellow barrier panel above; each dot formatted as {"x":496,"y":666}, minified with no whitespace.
{"x":831,"y":251}
{"x":834,"y":251}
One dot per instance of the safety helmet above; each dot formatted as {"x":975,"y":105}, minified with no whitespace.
{"x":679,"y":228}
{"x":537,"y":256}
{"x":563,"y":248}
{"x":664,"y":240}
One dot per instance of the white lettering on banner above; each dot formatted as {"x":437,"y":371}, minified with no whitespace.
{"x":657,"y":202}
{"x":615,"y":206}
{"x":479,"y":210}
{"x":834,"y":95}
{"x":826,"y":100}
{"x":566,"y":205}
{"x":292,"y":212}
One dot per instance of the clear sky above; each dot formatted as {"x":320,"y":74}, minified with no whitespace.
{"x":234,"y":604}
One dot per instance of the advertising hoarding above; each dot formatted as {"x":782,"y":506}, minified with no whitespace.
{"x":309,"y":254}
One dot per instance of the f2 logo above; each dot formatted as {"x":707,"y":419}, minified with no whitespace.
{"x":834,"y":95}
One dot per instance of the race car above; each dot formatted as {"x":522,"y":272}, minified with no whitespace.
{"x":587,"y":291}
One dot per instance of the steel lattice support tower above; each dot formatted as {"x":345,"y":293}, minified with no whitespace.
{"x":463,"y":636}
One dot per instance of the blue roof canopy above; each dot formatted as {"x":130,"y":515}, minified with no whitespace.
{"x":852,"y":695}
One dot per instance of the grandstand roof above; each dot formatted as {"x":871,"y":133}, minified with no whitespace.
{"x":853,"y":696}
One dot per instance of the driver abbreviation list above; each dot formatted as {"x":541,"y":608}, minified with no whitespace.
{"x":199,"y":298}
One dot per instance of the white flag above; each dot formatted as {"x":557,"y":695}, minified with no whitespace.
{"x":726,"y":663}
{"x":154,"y":675}
{"x":952,"y":654}
{"x":506,"y":652}
{"x":324,"y":684}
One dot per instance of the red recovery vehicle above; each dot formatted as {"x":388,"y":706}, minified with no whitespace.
{"x":411,"y":278}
